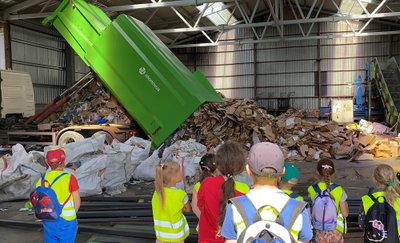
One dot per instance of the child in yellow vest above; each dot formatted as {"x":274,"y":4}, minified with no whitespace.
{"x":168,"y":203}
{"x":289,"y":180}
{"x":386,"y":189}
{"x":329,"y":221}
{"x":208,"y":168}
{"x":65,"y":228}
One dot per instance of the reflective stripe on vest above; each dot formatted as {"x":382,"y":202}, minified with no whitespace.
{"x":61,"y":188}
{"x":337,"y":193}
{"x":367,"y":203}
{"x":170,"y":224}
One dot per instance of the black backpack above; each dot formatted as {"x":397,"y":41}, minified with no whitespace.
{"x":381,"y":222}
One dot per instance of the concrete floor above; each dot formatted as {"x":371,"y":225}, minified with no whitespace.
{"x":355,"y":177}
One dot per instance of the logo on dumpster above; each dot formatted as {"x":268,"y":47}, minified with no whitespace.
{"x":142,"y":71}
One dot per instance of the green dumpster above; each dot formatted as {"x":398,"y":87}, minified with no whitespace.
{"x":148,"y":80}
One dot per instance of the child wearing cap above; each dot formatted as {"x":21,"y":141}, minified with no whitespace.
{"x":265,"y":165}
{"x":289,"y":180}
{"x":65,"y":228}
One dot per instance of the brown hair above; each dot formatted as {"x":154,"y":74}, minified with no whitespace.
{"x":326,"y":169}
{"x":207,"y":166}
{"x":164,"y":172}
{"x":385,"y":178}
{"x":230,"y":161}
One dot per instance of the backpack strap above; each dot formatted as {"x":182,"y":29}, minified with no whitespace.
{"x":316,"y":188}
{"x":58,"y":177}
{"x":245,"y":208}
{"x":294,"y":195}
{"x":375,"y":199}
{"x":291,"y":211}
{"x":297,"y":210}
{"x":333,"y":186}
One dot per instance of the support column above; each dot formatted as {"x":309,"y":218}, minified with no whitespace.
{"x":2,"y":48}
{"x":7,"y":45}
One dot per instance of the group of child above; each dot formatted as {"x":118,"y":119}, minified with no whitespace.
{"x":228,"y":210}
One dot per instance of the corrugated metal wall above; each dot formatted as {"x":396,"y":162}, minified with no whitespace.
{"x":43,"y":56}
{"x":80,"y":68}
{"x":308,"y":72}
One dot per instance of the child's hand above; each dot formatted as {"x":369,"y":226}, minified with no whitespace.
{"x":186,"y":208}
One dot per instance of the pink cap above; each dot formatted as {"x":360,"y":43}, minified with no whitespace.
{"x":265,"y":155}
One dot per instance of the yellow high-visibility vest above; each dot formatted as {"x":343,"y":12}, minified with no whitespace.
{"x":61,"y":188}
{"x":367,"y":203}
{"x":170,"y":224}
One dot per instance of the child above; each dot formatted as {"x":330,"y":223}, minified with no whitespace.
{"x":168,"y":203}
{"x":289,"y":180}
{"x":386,"y":189}
{"x":334,"y":212}
{"x":215,"y":191}
{"x":65,"y":228}
{"x":265,"y":165}
{"x":208,"y":168}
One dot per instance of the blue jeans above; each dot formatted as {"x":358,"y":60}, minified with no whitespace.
{"x":60,"y":231}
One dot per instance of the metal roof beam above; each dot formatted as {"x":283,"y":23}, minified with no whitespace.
{"x":279,"y":39}
{"x":279,"y":23}
{"x":161,"y":4}
{"x":23,"y":5}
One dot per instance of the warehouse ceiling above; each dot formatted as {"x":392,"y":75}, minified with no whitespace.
{"x":190,"y":23}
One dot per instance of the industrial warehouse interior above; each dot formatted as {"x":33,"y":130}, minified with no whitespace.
{"x":114,"y":93}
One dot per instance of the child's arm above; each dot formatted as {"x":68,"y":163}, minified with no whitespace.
{"x":195,"y":209}
{"x":186,"y":208}
{"x":344,"y":209}
{"x":77,"y":200}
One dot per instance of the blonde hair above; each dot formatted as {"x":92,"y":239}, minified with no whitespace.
{"x":164,"y":173}
{"x":385,"y":178}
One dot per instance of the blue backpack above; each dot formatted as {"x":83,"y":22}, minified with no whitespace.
{"x":45,"y":202}
{"x":264,"y":231}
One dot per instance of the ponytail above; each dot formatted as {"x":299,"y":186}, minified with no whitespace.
{"x":230,"y":161}
{"x":159,"y":183}
{"x":326,"y":169}
{"x":385,"y":178}
{"x":228,"y":191}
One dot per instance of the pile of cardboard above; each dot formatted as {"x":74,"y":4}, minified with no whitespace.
{"x":91,"y":105}
{"x":245,"y":122}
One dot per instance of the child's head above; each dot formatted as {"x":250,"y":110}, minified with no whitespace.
{"x":230,"y":161}
{"x":291,"y":176}
{"x":167,"y":174}
{"x":385,"y":178}
{"x":207,"y":166}
{"x":55,"y":158}
{"x":265,"y":163}
{"x":325,"y":170}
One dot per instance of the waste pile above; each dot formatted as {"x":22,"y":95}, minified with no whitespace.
{"x":93,"y":104}
{"x":242,"y":120}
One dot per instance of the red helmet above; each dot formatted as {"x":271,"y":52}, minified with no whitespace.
{"x":55,"y":156}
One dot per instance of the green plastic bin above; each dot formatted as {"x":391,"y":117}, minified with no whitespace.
{"x":148,"y":80}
